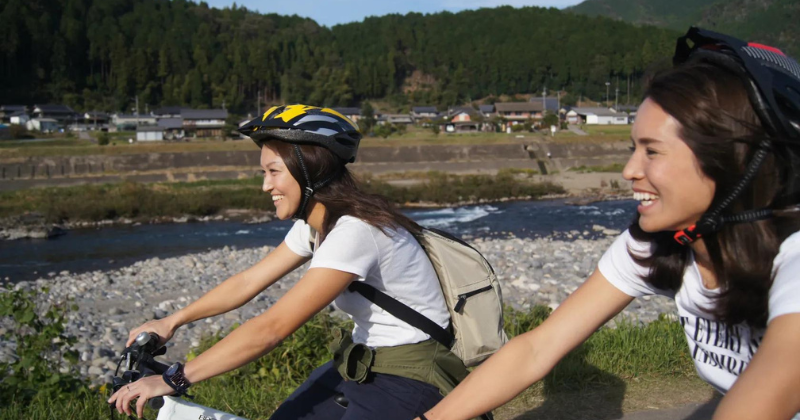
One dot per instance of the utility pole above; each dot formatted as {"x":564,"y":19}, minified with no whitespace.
{"x":608,"y":84}
{"x":137,"y":110}
{"x":544,"y":100}
{"x":616,"y":96}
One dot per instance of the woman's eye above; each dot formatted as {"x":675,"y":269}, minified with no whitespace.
{"x":650,"y":151}
{"x":632,"y":149}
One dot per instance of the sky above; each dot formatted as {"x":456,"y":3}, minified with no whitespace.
{"x":333,"y":12}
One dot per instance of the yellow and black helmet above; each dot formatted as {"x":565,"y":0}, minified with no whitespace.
{"x":303,"y":124}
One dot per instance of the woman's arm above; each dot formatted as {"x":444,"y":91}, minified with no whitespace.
{"x":256,"y":337}
{"x":228,"y":295}
{"x":529,"y":357}
{"x":770,"y":386}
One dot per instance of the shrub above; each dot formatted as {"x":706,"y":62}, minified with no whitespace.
{"x":103,"y":138}
{"x":41,"y":348}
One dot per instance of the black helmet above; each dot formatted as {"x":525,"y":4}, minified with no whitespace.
{"x":772,"y":81}
{"x":303,"y":124}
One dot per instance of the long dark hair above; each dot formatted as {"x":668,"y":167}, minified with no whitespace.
{"x":721,"y":128}
{"x":342,"y":196}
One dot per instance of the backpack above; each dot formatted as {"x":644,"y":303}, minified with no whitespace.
{"x":471,"y":292}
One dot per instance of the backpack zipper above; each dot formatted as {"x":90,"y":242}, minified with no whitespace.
{"x":462,"y":298}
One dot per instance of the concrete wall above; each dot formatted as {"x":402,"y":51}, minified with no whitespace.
{"x":561,"y":156}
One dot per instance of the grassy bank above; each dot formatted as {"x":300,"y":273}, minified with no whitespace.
{"x":150,"y":201}
{"x":610,"y":359}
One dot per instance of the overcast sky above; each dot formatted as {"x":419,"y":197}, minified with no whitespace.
{"x":332,"y":12}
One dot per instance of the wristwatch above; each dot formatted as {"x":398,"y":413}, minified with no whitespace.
{"x":173,"y":376}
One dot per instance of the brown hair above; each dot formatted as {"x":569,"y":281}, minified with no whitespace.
{"x":719,"y":125}
{"x":342,"y":196}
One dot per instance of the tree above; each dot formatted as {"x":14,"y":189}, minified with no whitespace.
{"x":367,"y":121}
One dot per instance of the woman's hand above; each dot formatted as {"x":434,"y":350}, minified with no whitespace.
{"x":163,"y":327}
{"x":143,"y":389}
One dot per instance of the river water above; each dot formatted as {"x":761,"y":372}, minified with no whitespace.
{"x":82,"y":250}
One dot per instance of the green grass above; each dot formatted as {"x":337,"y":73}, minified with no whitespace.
{"x":614,"y":167}
{"x":203,"y":198}
{"x":625,"y":353}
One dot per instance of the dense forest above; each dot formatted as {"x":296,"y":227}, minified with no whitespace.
{"x":99,"y":55}
{"x":773,"y":22}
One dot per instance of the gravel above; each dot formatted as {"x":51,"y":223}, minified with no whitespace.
{"x":531,"y":271}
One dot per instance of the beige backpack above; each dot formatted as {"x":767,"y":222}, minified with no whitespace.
{"x":472,"y":294}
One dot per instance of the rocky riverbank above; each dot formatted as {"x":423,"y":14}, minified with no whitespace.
{"x":531,"y":271}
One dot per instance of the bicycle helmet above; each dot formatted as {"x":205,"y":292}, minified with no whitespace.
{"x":303,"y":124}
{"x":772,"y":81}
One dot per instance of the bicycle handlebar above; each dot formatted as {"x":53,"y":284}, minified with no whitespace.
{"x":138,"y":360}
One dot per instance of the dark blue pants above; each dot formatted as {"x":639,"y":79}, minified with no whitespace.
{"x":380,"y":397}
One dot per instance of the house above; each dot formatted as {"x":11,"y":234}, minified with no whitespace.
{"x":172,"y":128}
{"x":421,"y":113}
{"x":63,"y":114}
{"x":549,"y":104}
{"x":628,"y":109}
{"x":204,"y":122}
{"x":94,"y":120}
{"x":149,"y":133}
{"x":486,"y":110}
{"x":18,"y":118}
{"x":354,"y":114}
{"x":45,"y":125}
{"x":395,"y":119}
{"x":129,"y":122}
{"x":596,"y":115}
{"x":7,"y":110}
{"x":517,"y":112}
{"x":167,"y":112}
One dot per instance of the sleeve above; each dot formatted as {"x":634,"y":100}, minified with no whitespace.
{"x":784,"y":295}
{"x":620,"y":269}
{"x":349,"y":247}
{"x":299,"y":239}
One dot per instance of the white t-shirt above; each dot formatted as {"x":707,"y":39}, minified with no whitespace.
{"x":394,"y":264}
{"x":721,"y":352}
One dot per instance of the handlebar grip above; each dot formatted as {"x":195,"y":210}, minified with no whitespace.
{"x":156,"y":403}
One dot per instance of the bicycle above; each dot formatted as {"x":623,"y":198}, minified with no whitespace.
{"x":138,"y":361}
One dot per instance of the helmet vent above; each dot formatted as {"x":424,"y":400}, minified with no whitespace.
{"x":784,"y":62}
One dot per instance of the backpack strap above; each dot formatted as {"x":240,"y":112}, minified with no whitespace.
{"x":403,"y":312}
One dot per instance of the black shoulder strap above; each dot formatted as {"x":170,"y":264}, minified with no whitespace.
{"x":403,"y":312}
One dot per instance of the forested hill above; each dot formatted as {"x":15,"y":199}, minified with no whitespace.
{"x":100,"y":54}
{"x":772,"y":22}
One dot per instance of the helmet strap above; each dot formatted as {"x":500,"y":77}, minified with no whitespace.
{"x":711,"y":221}
{"x":309,"y":189}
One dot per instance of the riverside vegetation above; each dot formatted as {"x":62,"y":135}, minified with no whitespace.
{"x":149,"y":201}
{"x":39,"y":384}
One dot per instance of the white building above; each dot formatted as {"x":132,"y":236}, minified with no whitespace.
{"x":45,"y":125}
{"x":596,"y":116}
{"x":149,"y":133}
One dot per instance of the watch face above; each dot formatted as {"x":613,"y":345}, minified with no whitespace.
{"x":173,"y":369}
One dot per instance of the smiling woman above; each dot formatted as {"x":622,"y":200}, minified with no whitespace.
{"x":348,"y":236}
{"x":716,"y":167}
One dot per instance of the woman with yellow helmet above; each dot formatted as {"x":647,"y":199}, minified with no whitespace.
{"x":348,"y":236}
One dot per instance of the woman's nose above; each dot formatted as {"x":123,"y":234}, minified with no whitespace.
{"x":633,"y":169}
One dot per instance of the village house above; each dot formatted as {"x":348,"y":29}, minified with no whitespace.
{"x":519,"y":112}
{"x":422,"y":113}
{"x":149,"y":133}
{"x":403,"y":119}
{"x":63,"y":114}
{"x":172,"y":128}
{"x":204,"y":122}
{"x":6,"y":111}
{"x":129,"y":122}
{"x":628,"y":109}
{"x":354,"y":114}
{"x":486,"y":110}
{"x":167,"y":112}
{"x":44,"y":125}
{"x":597,"y":116}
